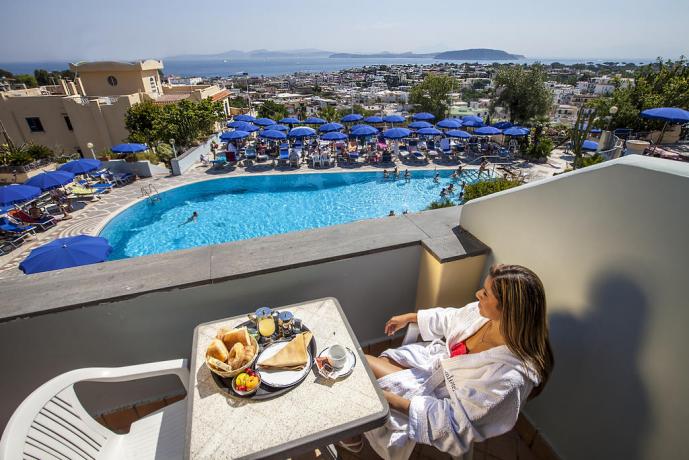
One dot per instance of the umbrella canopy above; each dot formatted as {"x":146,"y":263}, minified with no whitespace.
{"x":129,"y":148}
{"x":273,"y":134}
{"x":329,"y":127}
{"x":487,"y":131}
{"x":244,"y":117}
{"x":449,"y":123}
{"x":373,"y":119}
{"x":503,"y":125}
{"x":458,"y":133}
{"x":589,"y":145}
{"x":351,"y":118}
{"x":81,"y":166}
{"x":242,"y":126}
{"x":278,"y":128}
{"x":334,"y":136}
{"x":472,"y":123}
{"x":430,"y":132}
{"x":423,"y":116}
{"x":234,"y":135}
{"x":290,"y":121}
{"x":419,"y":125}
{"x":302,"y":131}
{"x":473,"y":118}
{"x":668,"y":114}
{"x":314,"y":121}
{"x":264,"y":122}
{"x":363,"y":131}
{"x":516,"y":131}
{"x":66,"y":252}
{"x":49,"y":180}
{"x":396,"y":133}
{"x":393,"y":119}
{"x":16,"y":193}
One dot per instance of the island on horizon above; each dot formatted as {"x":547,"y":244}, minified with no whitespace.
{"x":479,"y":54}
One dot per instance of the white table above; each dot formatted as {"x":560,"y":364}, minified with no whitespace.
{"x":315,"y":413}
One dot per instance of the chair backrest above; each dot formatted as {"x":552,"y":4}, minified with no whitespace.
{"x":53,"y":425}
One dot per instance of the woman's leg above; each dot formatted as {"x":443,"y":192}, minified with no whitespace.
{"x":382,"y":366}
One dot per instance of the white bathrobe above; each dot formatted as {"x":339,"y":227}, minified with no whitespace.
{"x":454,"y":401}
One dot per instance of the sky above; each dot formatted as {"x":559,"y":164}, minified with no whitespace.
{"x":135,"y":29}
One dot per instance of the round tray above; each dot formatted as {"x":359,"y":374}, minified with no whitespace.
{"x":264,"y":391}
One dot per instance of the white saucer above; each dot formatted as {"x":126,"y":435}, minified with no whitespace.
{"x":348,"y":365}
{"x":279,"y":378}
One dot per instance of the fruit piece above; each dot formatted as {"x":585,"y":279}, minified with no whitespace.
{"x":241,"y":379}
{"x":242,"y":388}
{"x":252,"y":382}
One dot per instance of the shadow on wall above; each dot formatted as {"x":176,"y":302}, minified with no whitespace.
{"x":601,"y":399}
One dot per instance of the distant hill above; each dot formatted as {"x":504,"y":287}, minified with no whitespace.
{"x":255,"y":54}
{"x":481,"y":54}
{"x":470,"y":54}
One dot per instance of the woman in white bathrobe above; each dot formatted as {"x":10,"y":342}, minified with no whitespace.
{"x":473,"y":372}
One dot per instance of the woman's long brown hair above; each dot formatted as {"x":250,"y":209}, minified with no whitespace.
{"x":524,"y":324}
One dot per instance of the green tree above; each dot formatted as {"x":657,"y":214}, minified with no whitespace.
{"x":301,"y":111}
{"x":28,"y":80}
{"x":42,"y":77}
{"x":329,"y":113}
{"x":523,"y":92}
{"x":432,"y":95}
{"x":38,"y":152}
{"x":580,"y":132}
{"x":5,"y":73}
{"x":143,"y":122}
{"x":273,"y":110}
{"x":239,"y":102}
{"x":662,"y":84}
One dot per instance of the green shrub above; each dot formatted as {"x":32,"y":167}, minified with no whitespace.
{"x":441,"y":203}
{"x":164,"y":152}
{"x":38,"y":152}
{"x":142,"y":156}
{"x":540,"y":150}
{"x":585,"y":161}
{"x":479,"y":189}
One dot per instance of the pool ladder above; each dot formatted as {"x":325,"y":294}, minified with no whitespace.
{"x":151,"y":192}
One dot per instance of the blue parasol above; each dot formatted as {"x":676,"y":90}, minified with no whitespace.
{"x":50,"y":180}
{"x":65,"y":253}
{"x":329,"y":127}
{"x":314,"y":121}
{"x":243,"y":117}
{"x":273,"y":134}
{"x":373,"y":119}
{"x":363,"y":131}
{"x":334,"y":136}
{"x":393,"y":119}
{"x":429,"y":132}
{"x":263,"y":122}
{"x":243,"y":126}
{"x":351,"y":118}
{"x":396,"y":133}
{"x":458,"y":133}
{"x":589,"y":145}
{"x":81,"y":166}
{"x":16,"y":193}
{"x":302,"y":131}
{"x":419,"y":125}
{"x":423,"y":116}
{"x":234,"y":135}
{"x":487,"y":131}
{"x":449,"y":123}
{"x":129,"y":148}
{"x":290,"y":121}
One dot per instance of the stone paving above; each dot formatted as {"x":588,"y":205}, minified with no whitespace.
{"x":93,"y":214}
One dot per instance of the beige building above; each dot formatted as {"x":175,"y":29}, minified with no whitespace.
{"x":91,"y":110}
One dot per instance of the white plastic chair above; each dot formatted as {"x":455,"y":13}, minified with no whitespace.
{"x":51,"y":423}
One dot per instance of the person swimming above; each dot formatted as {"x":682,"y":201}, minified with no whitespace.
{"x":451,"y":188}
{"x":407,"y":174}
{"x":443,"y":192}
{"x":192,"y":218}
{"x":385,"y":174}
{"x":392,"y":213}
{"x":436,"y":178}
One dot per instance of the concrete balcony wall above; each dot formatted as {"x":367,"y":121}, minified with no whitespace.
{"x":610,"y":244}
{"x":146,"y":308}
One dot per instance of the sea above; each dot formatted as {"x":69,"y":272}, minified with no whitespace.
{"x":286,"y":66}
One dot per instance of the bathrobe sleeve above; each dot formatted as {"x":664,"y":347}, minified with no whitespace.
{"x":436,"y":323}
{"x":477,"y":409}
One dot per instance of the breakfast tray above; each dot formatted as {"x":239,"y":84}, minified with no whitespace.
{"x":264,"y":391}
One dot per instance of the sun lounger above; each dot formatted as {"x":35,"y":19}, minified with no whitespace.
{"x":250,"y":154}
{"x":12,"y":228}
{"x":295,"y":157}
{"x":419,"y":157}
{"x":8,"y":242}
{"x":83,"y":192}
{"x":44,"y":222}
{"x":386,"y":157}
{"x":403,"y":153}
{"x":283,"y":157}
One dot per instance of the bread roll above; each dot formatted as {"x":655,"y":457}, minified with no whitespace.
{"x":232,"y":337}
{"x":236,"y":356}
{"x":218,"y":350}
{"x":249,"y":352}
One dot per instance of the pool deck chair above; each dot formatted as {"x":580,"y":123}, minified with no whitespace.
{"x":51,"y":423}
{"x":283,"y":158}
{"x":10,"y":227}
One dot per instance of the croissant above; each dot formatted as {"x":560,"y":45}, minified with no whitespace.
{"x":218,"y":350}
{"x":236,"y":356}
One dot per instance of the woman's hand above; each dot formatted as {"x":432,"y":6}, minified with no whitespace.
{"x":396,"y":323}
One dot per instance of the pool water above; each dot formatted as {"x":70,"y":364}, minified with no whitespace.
{"x":239,"y":208}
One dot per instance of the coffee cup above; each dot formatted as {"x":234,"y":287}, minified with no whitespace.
{"x":338,"y":356}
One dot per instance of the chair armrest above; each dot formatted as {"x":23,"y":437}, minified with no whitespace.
{"x":412,"y":334}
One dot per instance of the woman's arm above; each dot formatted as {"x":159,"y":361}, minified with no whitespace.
{"x":396,"y":323}
{"x":397,"y":402}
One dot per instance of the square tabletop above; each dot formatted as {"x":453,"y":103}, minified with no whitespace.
{"x":315,"y":413}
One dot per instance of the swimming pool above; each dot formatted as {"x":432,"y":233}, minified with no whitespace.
{"x":238,"y":208}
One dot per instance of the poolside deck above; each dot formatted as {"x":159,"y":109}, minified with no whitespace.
{"x":93,"y":215}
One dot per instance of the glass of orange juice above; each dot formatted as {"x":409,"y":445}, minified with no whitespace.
{"x":266,"y":326}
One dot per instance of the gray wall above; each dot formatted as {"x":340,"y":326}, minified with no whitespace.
{"x":159,"y":325}
{"x":140,"y":168}
{"x":190,"y":157}
{"x":611,"y":245}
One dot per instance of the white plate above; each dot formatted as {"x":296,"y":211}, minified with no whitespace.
{"x":348,"y":365}
{"x":279,"y":378}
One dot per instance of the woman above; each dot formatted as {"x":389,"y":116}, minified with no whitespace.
{"x":474,"y":372}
